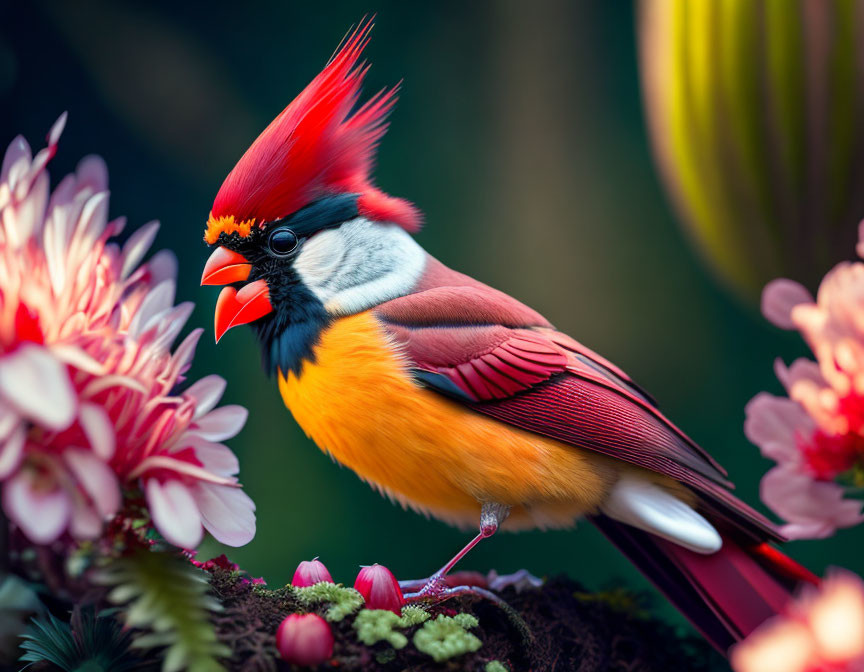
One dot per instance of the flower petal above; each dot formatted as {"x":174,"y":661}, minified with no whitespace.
{"x":221,"y":423}
{"x":773,"y":423}
{"x":11,"y":450}
{"x":206,"y":392}
{"x":215,"y":457}
{"x":98,"y":428}
{"x":34,"y":383}
{"x":228,"y":513}
{"x":815,"y":509}
{"x":136,"y":247}
{"x":97,"y":480}
{"x":175,"y":513}
{"x":779,"y":298}
{"x":41,"y":514}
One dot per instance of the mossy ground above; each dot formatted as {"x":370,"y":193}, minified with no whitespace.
{"x":556,"y":628}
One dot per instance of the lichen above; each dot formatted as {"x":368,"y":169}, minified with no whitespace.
{"x":379,"y":625}
{"x":446,"y":637}
{"x":343,"y":601}
{"x":496,"y":666}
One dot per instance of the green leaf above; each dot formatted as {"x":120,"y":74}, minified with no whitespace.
{"x":90,"y":643}
{"x":167,"y":597}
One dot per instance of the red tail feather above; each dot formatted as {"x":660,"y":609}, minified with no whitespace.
{"x":725,"y":595}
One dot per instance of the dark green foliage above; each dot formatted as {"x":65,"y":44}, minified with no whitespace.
{"x":89,"y":643}
{"x":167,"y":598}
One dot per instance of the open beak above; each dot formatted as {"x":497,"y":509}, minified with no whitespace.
{"x":235,"y":307}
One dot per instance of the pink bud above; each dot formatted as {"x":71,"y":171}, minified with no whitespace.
{"x":380,"y":589}
{"x":304,"y":639}
{"x":310,"y":572}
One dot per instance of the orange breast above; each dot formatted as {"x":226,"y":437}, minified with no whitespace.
{"x":358,"y":402}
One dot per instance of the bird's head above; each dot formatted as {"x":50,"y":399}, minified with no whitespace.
{"x":300,"y":233}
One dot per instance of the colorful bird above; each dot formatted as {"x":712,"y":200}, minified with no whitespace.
{"x":450,"y":396}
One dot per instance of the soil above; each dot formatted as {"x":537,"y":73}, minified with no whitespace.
{"x":556,"y":628}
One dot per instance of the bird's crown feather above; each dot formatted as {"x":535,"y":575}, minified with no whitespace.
{"x":321,"y":143}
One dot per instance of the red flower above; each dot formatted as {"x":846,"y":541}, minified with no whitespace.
{"x":304,"y":639}
{"x":380,"y":589}
{"x":310,"y":572}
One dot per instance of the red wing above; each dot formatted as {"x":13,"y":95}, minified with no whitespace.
{"x":533,"y":377}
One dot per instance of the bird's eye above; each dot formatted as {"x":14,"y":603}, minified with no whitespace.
{"x":282,"y":242}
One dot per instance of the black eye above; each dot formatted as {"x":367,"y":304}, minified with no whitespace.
{"x":282,"y":241}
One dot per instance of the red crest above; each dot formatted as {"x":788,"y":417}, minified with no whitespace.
{"x":321,"y":143}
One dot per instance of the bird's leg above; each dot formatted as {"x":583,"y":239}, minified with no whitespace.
{"x":435,"y":587}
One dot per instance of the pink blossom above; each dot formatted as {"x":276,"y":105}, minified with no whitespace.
{"x":89,"y":406}
{"x":822,"y":631}
{"x":304,"y":639}
{"x":310,"y":572}
{"x":380,"y":589}
{"x":816,"y":435}
{"x":812,"y":508}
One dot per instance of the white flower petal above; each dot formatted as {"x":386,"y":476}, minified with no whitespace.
{"x":158,"y":300}
{"x":93,"y":219}
{"x":206,"y":392}
{"x":171,"y":323}
{"x":99,"y":430}
{"x":11,"y":450}
{"x":38,"y":386}
{"x":86,"y":522}
{"x":17,"y":150}
{"x":92,"y":174}
{"x":175,"y":512}
{"x":57,"y":129}
{"x":96,"y":478}
{"x":136,"y":247}
{"x":228,"y":513}
{"x":221,"y":423}
{"x":216,"y":458}
{"x":162,"y":266}
{"x":41,"y":515}
{"x":186,"y":351}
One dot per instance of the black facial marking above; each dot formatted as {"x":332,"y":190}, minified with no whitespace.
{"x":289,"y":334}
{"x":322,"y":214}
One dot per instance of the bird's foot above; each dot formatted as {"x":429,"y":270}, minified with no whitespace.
{"x":438,"y":591}
{"x":447,"y":581}
{"x":520,"y":580}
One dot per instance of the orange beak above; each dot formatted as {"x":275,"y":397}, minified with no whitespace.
{"x":233,"y":308}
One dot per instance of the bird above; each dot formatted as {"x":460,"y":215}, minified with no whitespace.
{"x":454,"y":398}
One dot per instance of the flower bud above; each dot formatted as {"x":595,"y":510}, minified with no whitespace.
{"x":304,"y":639}
{"x":380,"y":589}
{"x":310,"y":572}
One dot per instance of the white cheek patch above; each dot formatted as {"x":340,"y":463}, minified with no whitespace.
{"x":648,"y":507}
{"x":360,"y":265}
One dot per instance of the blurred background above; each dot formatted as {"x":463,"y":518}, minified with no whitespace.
{"x":520,"y":133}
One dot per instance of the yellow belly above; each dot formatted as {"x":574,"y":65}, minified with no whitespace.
{"x":360,"y":405}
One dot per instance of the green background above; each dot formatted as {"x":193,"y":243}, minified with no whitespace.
{"x":520,"y":135}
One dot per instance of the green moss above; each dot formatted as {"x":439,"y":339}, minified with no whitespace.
{"x":379,"y":625}
{"x":343,"y":601}
{"x":446,"y":637}
{"x":496,"y":666}
{"x":413,"y":615}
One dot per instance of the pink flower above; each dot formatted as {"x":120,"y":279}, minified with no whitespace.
{"x":822,"y":631}
{"x":88,"y":379}
{"x":813,"y":508}
{"x":304,"y":639}
{"x":817,"y":435}
{"x":310,"y":572}
{"x":380,"y":589}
